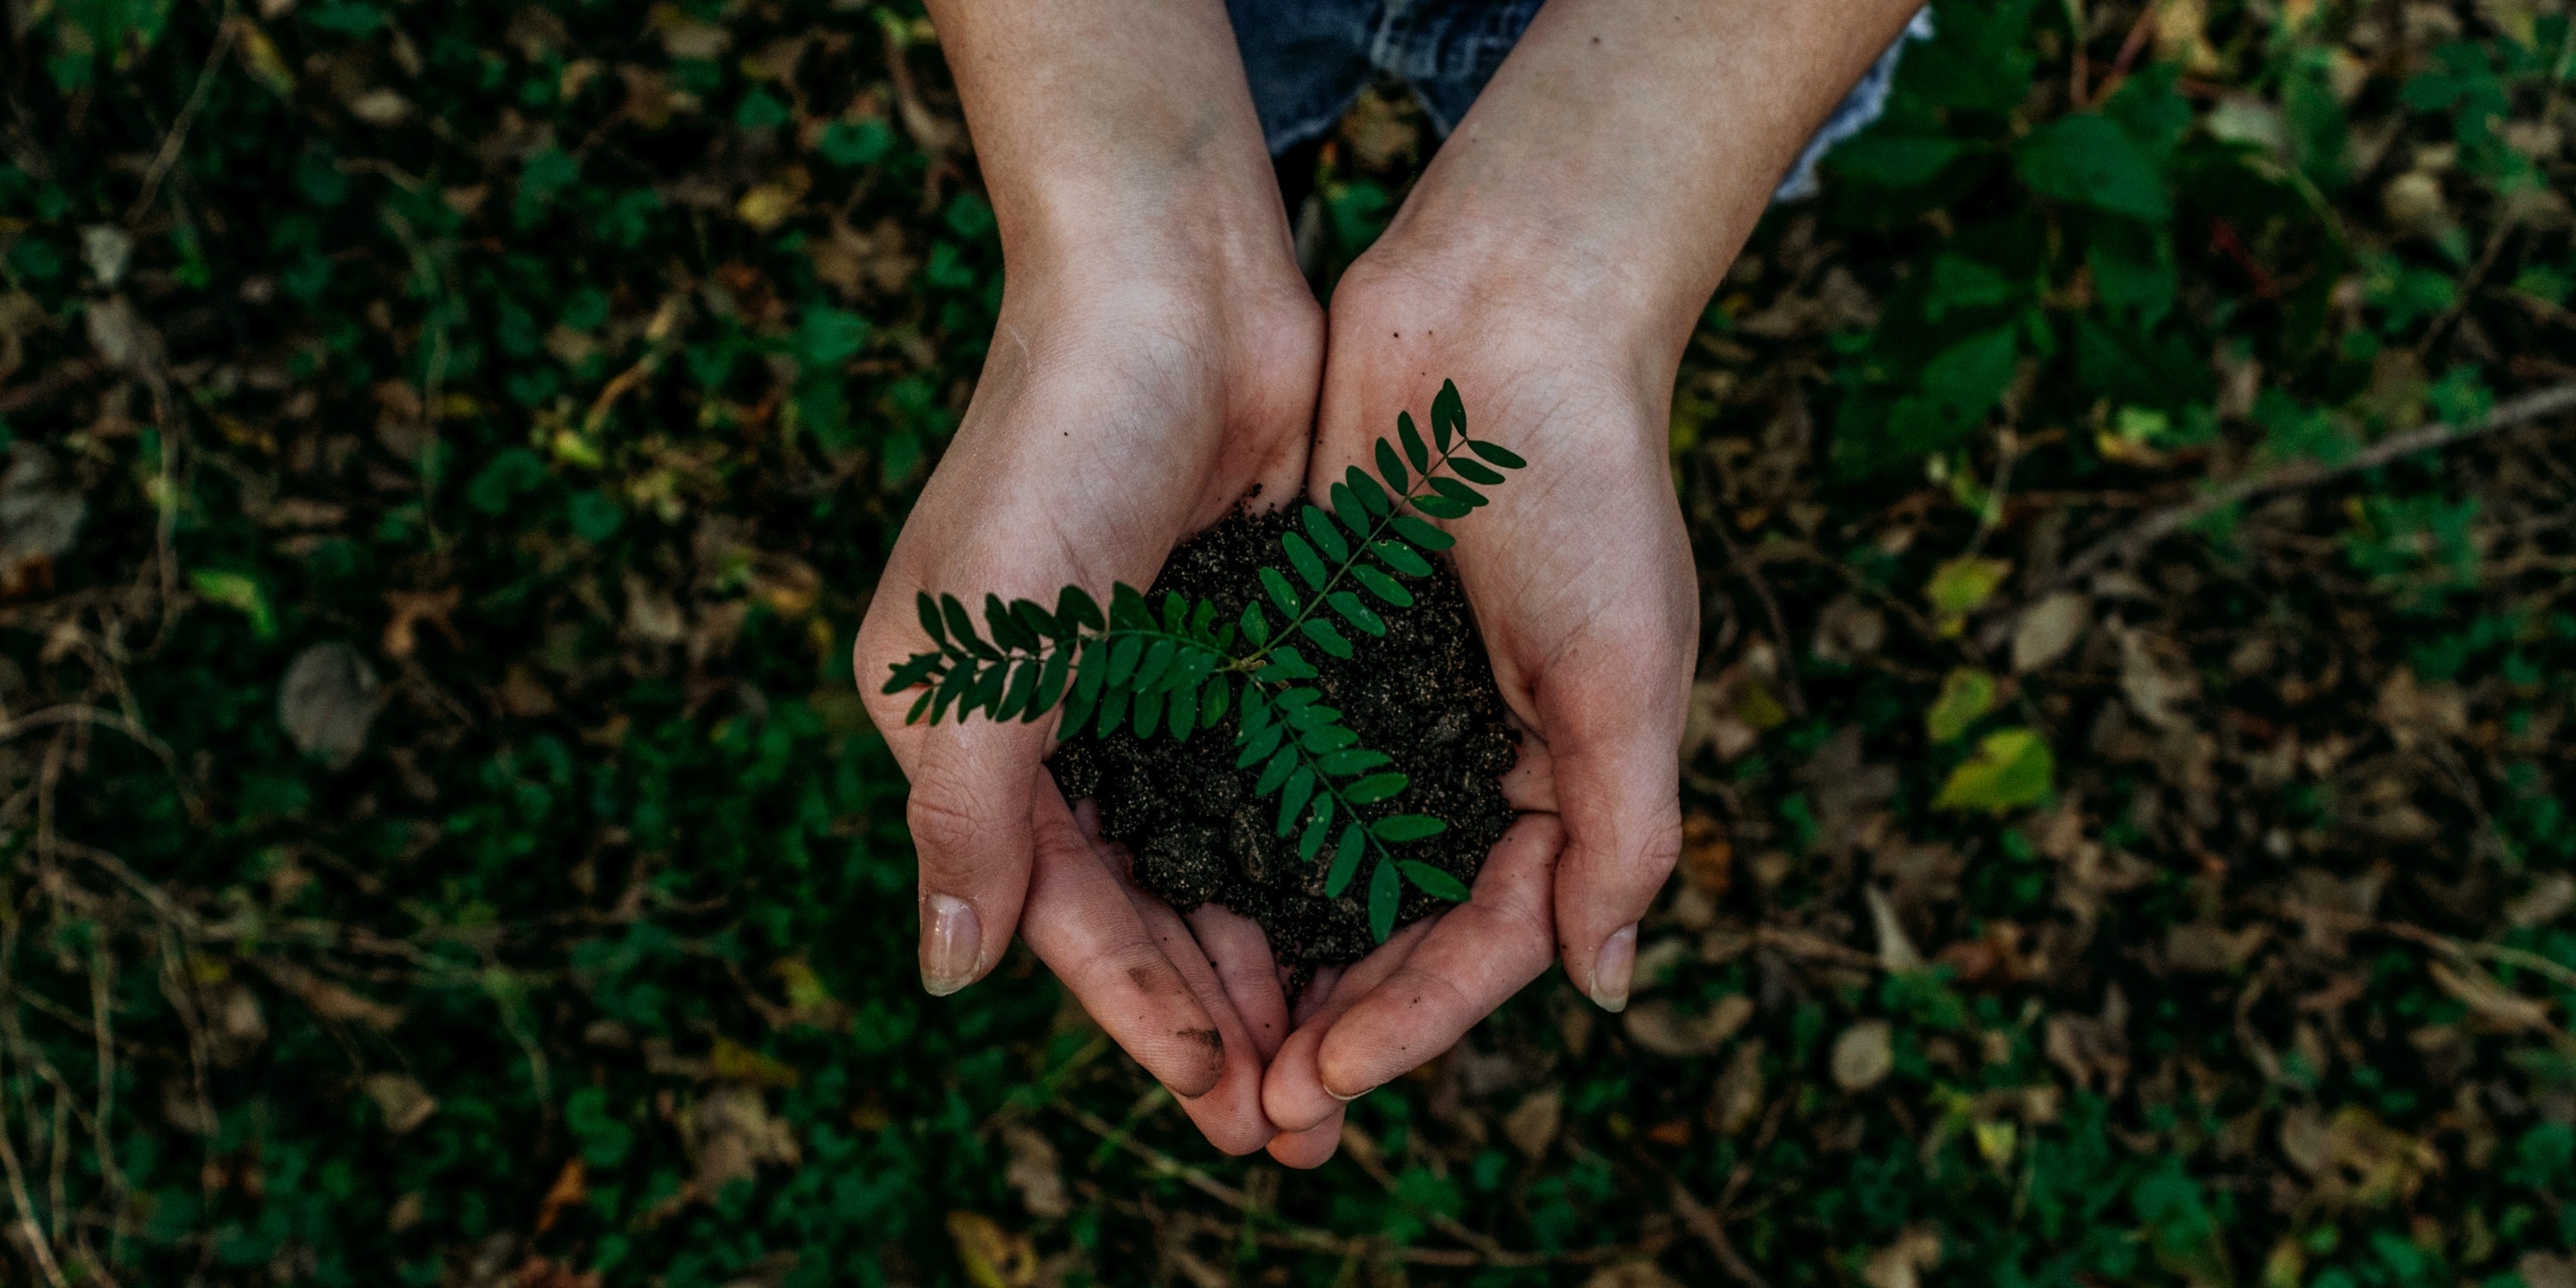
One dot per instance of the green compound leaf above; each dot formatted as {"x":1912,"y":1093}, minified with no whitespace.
{"x":919,"y":705}
{"x":1122,"y":659}
{"x":1301,"y":556}
{"x":1366,"y":489}
{"x":1348,"y":508}
{"x":1383,"y":889}
{"x":1213,"y":700}
{"x":1387,"y":589}
{"x":988,"y":688}
{"x":1355,"y":612}
{"x":1402,"y":558}
{"x":1091,"y":669}
{"x":1420,"y":533}
{"x":1113,"y":709}
{"x":913,"y":670}
{"x":1256,"y":627}
{"x":1033,"y":617}
{"x":1398,"y":828}
{"x":961,"y":629}
{"x":1007,"y":630}
{"x":1441,"y":507}
{"x":1023,"y":684}
{"x":1147,"y":714}
{"x":1275,"y":774}
{"x":1086,"y":691}
{"x":1075,"y":608}
{"x":1474,"y":473}
{"x":1496,"y":454}
{"x":1375,"y":788}
{"x":1346,"y":859}
{"x":1344,"y":763}
{"x":1291,"y":664}
{"x":1391,"y":468}
{"x":1432,"y":881}
{"x":1127,"y":608}
{"x":952,"y":689}
{"x":1326,"y":637}
{"x":1259,"y":745}
{"x":1458,"y":492}
{"x":1158,"y":658}
{"x":1301,"y":785}
{"x":1281,"y":593}
{"x":1448,"y":414}
{"x":936,"y":629}
{"x":1414,"y":450}
{"x":1183,"y":716}
{"x":1059,"y":665}
{"x":1311,"y":842}
{"x":1328,"y":739}
{"x":1327,"y":538}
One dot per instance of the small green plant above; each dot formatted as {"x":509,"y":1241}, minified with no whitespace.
{"x":1181,"y":671}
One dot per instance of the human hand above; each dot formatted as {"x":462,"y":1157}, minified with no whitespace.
{"x":1582,"y":584}
{"x":1156,"y":358}
{"x":1118,"y":412}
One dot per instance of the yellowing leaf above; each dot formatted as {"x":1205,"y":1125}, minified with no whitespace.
{"x":766,"y":206}
{"x":805,"y":989}
{"x":1963,"y":585}
{"x":1997,"y":1140}
{"x":993,"y":1257}
{"x":2012,"y":768}
{"x":742,"y":1064}
{"x":260,"y":57}
{"x":1967,"y":694}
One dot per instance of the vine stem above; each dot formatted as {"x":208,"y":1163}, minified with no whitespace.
{"x":2539,"y":405}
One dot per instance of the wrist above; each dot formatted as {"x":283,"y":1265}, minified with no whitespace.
{"x":1540,"y":265}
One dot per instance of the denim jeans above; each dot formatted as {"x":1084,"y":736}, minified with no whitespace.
{"x":1308,"y":59}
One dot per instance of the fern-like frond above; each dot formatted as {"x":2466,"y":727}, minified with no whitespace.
{"x":1174,"y":668}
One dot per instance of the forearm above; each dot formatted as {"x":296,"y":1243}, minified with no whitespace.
{"x":1112,"y":130}
{"x":1624,"y":151}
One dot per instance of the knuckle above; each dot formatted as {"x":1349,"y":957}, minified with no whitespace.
{"x":946,"y":827}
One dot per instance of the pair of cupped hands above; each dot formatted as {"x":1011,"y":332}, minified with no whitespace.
{"x":1135,"y":394}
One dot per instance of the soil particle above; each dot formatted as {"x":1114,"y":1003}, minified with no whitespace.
{"x":1423,"y":693}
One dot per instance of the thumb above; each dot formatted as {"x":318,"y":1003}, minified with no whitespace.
{"x":969,"y":815}
{"x":1618,"y":789}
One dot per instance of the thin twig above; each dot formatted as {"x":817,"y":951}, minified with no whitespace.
{"x":1752,"y":576}
{"x":1363,"y":1151}
{"x":2468,"y":287}
{"x":1163,"y":1164}
{"x":1711,"y":1229}
{"x":39,"y":1248}
{"x":1271,"y":1228}
{"x":177,"y":137}
{"x":2508,"y":414}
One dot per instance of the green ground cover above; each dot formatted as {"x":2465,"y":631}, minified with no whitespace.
{"x":450,"y":448}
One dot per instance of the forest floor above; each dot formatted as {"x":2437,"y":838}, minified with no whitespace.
{"x":450,"y":448}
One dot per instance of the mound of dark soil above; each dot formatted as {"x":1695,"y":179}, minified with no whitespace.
{"x":1423,"y":693}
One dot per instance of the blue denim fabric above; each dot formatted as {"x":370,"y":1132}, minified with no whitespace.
{"x":1308,"y":59}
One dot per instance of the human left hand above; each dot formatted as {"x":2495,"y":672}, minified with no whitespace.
{"x":1580,"y":576}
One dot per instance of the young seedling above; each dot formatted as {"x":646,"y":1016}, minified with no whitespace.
{"x":1181,"y":670}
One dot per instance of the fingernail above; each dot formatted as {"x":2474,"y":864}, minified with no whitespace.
{"x":1610,"y":971}
{"x":952,"y":941}
{"x":1349,"y":1098}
